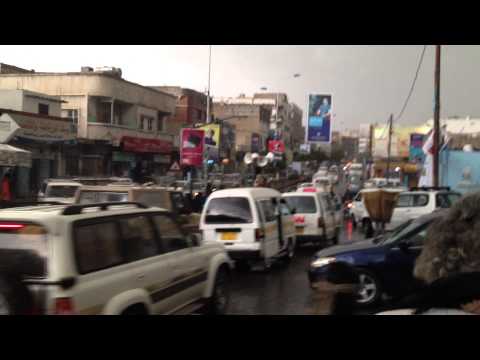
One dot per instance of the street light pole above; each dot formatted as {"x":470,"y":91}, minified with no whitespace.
{"x":205,"y":165}
{"x":436,"y":118}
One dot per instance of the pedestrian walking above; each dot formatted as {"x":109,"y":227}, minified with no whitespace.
{"x":6,"y":187}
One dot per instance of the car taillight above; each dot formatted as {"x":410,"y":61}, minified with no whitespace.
{"x":259,"y":234}
{"x":64,"y":306}
{"x":11,"y":226}
{"x":320,"y":222}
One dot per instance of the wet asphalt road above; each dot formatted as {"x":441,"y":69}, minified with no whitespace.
{"x":284,"y":290}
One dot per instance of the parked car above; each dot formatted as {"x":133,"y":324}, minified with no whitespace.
{"x":255,"y":225}
{"x":314,"y":216}
{"x":410,"y":205}
{"x":59,"y":190}
{"x":109,"y":258}
{"x":385,"y":264}
{"x":165,"y":198}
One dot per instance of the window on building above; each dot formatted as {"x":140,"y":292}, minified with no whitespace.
{"x":161,"y":122}
{"x":43,"y":109}
{"x":146,"y":123}
{"x":71,"y":114}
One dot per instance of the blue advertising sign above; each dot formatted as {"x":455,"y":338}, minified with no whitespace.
{"x":416,"y":147}
{"x":319,"y":118}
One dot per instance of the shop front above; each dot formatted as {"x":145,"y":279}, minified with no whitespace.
{"x":48,"y":139}
{"x":408,"y":172}
{"x":155,"y":155}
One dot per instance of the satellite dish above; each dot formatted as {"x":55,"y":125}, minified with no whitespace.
{"x":270,"y":157}
{"x":248,"y":158}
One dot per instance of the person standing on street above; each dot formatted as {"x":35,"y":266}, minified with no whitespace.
{"x":6,"y":187}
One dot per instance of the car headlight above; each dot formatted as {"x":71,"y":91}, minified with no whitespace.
{"x":322,"y":262}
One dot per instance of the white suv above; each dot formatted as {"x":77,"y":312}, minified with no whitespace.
{"x":410,"y":205}
{"x":111,"y":258}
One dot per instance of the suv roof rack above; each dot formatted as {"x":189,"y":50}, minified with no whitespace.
{"x":430,"y":188}
{"x":13,"y":204}
{"x":77,"y":208}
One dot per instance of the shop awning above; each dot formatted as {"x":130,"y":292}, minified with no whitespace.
{"x":13,"y":156}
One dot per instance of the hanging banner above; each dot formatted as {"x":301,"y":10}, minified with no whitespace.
{"x":212,"y":141}
{"x":192,"y":146}
{"x":276,"y":146}
{"x":319,"y":118}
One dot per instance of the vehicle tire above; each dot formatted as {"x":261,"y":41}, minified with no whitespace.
{"x":15,"y":298}
{"x":138,"y":309}
{"x":218,"y":302}
{"x":336,"y":237}
{"x":370,"y":292}
{"x":242,"y":265}
{"x":367,"y":228}
{"x":354,"y":222}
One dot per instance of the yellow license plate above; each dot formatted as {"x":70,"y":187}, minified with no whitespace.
{"x":299,"y":230}
{"x":228,"y":236}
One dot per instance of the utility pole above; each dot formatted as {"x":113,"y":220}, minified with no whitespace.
{"x":390,"y":132}
{"x":205,"y":164}
{"x":436,"y":119}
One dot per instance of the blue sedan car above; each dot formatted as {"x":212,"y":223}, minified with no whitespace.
{"x":385,"y":264}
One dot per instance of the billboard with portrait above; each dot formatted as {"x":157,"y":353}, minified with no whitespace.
{"x":212,"y":141}
{"x":319,"y":118}
{"x":276,"y":146}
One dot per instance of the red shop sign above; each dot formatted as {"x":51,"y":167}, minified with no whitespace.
{"x":143,"y":145}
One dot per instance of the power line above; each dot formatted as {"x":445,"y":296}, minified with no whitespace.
{"x":413,"y":83}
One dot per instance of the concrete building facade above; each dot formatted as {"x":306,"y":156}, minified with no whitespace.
{"x":118,"y":122}
{"x":251,"y":121}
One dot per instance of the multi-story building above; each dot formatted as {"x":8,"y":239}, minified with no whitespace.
{"x":119,"y":122}
{"x":295,"y":130}
{"x":278,"y":121}
{"x":191,"y":109}
{"x":49,"y":138}
{"x":251,"y":121}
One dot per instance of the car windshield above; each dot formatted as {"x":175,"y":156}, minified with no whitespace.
{"x":231,"y":210}
{"x":302,"y":204}
{"x":394,"y":232}
{"x":61,"y":191}
{"x":95,"y":197}
{"x":407,"y":228}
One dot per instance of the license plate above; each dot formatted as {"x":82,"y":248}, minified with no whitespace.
{"x":228,"y":236}
{"x":299,"y":230}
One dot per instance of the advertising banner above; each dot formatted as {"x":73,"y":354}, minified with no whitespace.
{"x":416,"y":145}
{"x":276,"y":146}
{"x":319,"y":118}
{"x":212,"y":141}
{"x":192,"y":146}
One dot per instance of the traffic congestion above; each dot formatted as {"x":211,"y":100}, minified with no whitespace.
{"x":113,"y":246}
{"x":257,"y":195}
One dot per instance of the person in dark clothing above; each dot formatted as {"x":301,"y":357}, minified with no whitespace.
{"x":136,"y":173}
{"x":6,"y":187}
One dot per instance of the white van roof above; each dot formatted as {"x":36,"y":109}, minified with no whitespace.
{"x":252,"y":191}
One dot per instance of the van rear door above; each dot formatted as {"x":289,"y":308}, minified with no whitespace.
{"x":270,"y":244}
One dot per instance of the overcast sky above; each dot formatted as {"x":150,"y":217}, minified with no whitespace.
{"x":367,"y":82}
